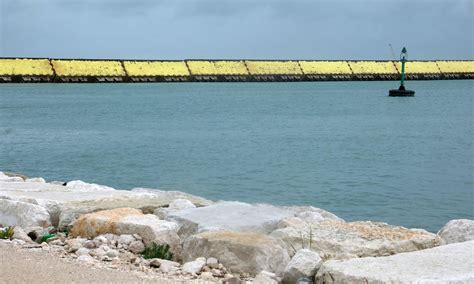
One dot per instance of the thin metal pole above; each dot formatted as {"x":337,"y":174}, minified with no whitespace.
{"x":403,"y":72}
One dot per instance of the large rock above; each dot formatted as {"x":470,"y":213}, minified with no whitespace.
{"x":304,"y":210}
{"x":303,"y":264}
{"x":445,"y":264}
{"x":22,"y":214}
{"x":456,"y":231}
{"x":195,"y":266}
{"x":85,"y":187}
{"x":128,"y":221}
{"x":233,"y":216}
{"x":240,"y":252}
{"x":68,"y":215}
{"x":66,"y":203}
{"x":338,"y":239}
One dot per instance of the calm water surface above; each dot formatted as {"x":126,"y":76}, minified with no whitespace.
{"x":343,"y":146}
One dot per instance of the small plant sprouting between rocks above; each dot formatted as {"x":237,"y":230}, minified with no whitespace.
{"x":158,"y":251}
{"x":7,"y":232}
{"x":303,"y":245}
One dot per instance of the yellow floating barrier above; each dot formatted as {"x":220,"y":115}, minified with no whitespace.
{"x":155,"y":68}
{"x":420,"y":67}
{"x":25,"y":67}
{"x":456,"y":66}
{"x":373,"y":67}
{"x":79,"y":68}
{"x":273,"y":67}
{"x":325,"y":67}
{"x":218,"y":67}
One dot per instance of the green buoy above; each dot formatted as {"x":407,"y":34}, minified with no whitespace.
{"x":401,"y":91}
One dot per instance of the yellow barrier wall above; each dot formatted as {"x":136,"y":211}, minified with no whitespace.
{"x":18,"y":67}
{"x":325,"y":67}
{"x":419,"y":67}
{"x":273,"y":67}
{"x":88,"y":68}
{"x":456,"y":66}
{"x":156,"y":68}
{"x":373,"y":67}
{"x":220,"y":67}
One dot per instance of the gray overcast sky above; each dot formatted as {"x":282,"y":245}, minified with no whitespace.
{"x":257,"y":29}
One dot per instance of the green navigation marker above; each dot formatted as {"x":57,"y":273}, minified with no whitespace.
{"x":401,"y":91}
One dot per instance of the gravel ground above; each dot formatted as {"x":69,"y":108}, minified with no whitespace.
{"x":19,"y":265}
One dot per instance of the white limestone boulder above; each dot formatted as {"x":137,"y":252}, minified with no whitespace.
{"x":241,"y":252}
{"x":22,"y":214}
{"x":445,"y":264}
{"x":456,"y":231}
{"x":87,"y":187}
{"x":304,"y":263}
{"x":303,"y":211}
{"x":337,"y":239}
{"x":227,"y":215}
{"x":10,"y":178}
{"x":180,"y":204}
{"x":35,"y":179}
{"x":195,"y":266}
{"x":128,"y":221}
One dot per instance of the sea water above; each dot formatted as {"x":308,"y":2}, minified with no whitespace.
{"x":342,"y":146}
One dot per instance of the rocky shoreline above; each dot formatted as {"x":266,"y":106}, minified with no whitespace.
{"x":223,"y":242}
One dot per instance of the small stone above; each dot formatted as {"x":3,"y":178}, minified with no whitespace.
{"x":126,"y":239}
{"x":85,"y":258}
{"x":206,"y":276}
{"x":112,"y":253}
{"x":105,"y":247}
{"x":99,"y":252}
{"x":193,"y":267}
{"x":168,"y":266}
{"x":155,"y":262}
{"x":44,"y":246}
{"x":136,"y":247}
{"x":212,"y":262}
{"x":89,"y":244}
{"x":99,"y":240}
{"x":217,"y":273}
{"x":82,"y":251}
{"x":111,"y":238}
{"x":304,"y":263}
{"x":106,"y":258}
{"x":19,"y":234}
{"x":74,"y":244}
{"x":57,"y":243}
{"x":232,"y":280}
{"x":61,"y":236}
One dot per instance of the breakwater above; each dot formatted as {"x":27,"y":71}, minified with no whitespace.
{"x":36,"y":70}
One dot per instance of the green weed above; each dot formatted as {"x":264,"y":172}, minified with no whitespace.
{"x":7,"y":232}
{"x":157,"y":251}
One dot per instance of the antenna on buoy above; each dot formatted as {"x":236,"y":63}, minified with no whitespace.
{"x":401,"y":91}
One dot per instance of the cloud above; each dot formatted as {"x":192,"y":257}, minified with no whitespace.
{"x":235,"y":29}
